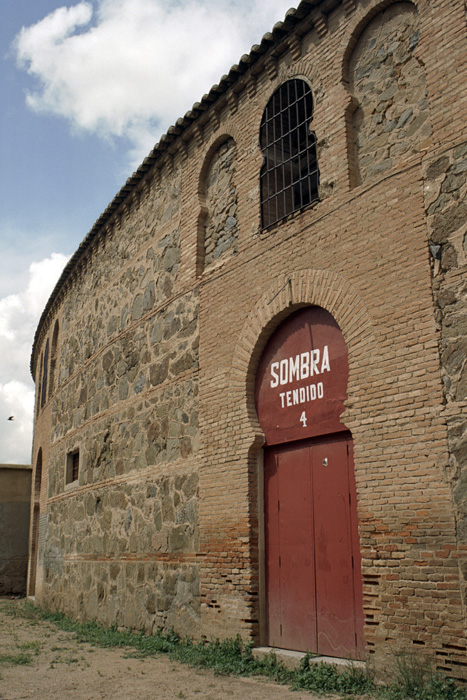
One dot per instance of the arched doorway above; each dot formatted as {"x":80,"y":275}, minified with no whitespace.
{"x":312,"y":553}
{"x":36,"y":512}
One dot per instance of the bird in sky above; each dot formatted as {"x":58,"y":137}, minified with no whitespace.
{"x":11,"y":418}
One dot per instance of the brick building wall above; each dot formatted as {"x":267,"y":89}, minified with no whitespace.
{"x":158,"y":323}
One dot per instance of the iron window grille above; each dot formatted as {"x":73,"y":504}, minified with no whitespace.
{"x":289,"y":176}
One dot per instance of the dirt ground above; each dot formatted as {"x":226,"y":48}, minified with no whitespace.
{"x":61,"y":668}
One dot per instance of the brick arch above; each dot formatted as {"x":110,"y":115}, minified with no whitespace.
{"x":288,"y":293}
{"x":304,"y":70}
{"x":35,"y":523}
{"x":360,"y":19}
{"x":211,"y":231}
{"x":305,"y":73}
{"x":38,"y":475}
{"x":53,"y":358}
{"x":212,"y":146}
{"x":396,"y":111}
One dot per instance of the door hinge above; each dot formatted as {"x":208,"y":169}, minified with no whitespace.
{"x":280,"y":562}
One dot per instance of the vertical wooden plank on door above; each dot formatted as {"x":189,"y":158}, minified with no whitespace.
{"x":271,"y":526}
{"x":293,"y":555}
{"x":334,"y":546}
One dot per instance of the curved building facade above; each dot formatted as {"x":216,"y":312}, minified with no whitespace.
{"x":251,"y":379}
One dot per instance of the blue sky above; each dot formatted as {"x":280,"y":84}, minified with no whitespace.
{"x":87,"y":89}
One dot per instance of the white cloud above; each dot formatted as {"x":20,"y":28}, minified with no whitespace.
{"x":42,"y":278}
{"x":19,"y":315}
{"x":130,"y":68}
{"x":17,"y":400}
{"x":120,"y":69}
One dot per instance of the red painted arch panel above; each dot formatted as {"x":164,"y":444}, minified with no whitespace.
{"x":301,"y":381}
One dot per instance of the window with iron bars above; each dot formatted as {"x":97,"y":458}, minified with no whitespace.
{"x":290,"y":175}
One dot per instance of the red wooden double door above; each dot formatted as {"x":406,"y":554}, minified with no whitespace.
{"x":313,"y":576}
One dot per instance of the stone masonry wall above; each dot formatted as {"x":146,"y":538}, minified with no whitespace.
{"x":220,"y":225}
{"x":446,"y":208}
{"x":130,"y":279}
{"x":161,"y":428}
{"x":161,"y":350}
{"x":126,"y":396}
{"x":387,"y":79}
{"x":112,"y":553}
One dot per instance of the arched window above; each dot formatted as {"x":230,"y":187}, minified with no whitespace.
{"x":34,"y":542}
{"x":38,"y":476}
{"x":220,"y":228}
{"x":53,"y":359}
{"x":44,"y":374}
{"x":39,"y":386}
{"x":289,"y":176}
{"x":386,"y":75}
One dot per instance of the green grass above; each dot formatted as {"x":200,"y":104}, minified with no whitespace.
{"x":34,"y":647}
{"x":327,"y":678}
{"x":15,"y":659}
{"x":412,"y":677}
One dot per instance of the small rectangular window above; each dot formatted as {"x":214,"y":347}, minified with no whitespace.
{"x":72,"y":467}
